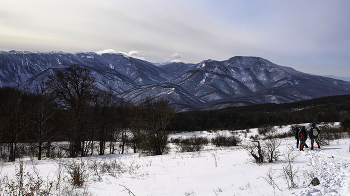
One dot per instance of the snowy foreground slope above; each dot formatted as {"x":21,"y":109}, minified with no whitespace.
{"x":213,"y":171}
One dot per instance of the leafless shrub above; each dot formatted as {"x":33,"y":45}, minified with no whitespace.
{"x":270,"y":178}
{"x":271,"y":145}
{"x":222,"y":140}
{"x":255,"y":150}
{"x":133,"y":167}
{"x":25,"y":183}
{"x":217,"y":191}
{"x":94,"y":166}
{"x":175,"y":140}
{"x":216,"y":159}
{"x":192,"y":144}
{"x":289,"y":172}
{"x":77,"y":171}
{"x":189,"y":193}
{"x":308,"y":175}
{"x":59,"y":175}
{"x":264,"y":130}
{"x":113,"y":167}
{"x":127,"y":190}
{"x":329,"y":134}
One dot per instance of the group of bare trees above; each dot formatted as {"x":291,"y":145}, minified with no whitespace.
{"x":68,"y":107}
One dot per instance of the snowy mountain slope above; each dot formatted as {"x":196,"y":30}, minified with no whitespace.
{"x":170,"y":91}
{"x":206,"y":85}
{"x":256,"y":79}
{"x":176,"y":69}
{"x":115,"y":71}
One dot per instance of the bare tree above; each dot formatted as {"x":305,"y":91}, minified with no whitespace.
{"x":14,"y":117}
{"x":44,"y":111}
{"x":156,"y":115}
{"x":256,"y":151}
{"x":107,"y":118}
{"x":271,"y":145}
{"x":137,"y":128}
{"x":124,"y":123}
{"x":72,"y":87}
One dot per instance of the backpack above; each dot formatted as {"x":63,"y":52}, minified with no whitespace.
{"x":314,"y":132}
{"x":302,"y":134}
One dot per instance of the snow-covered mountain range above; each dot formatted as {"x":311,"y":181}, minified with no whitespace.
{"x":207,"y":85}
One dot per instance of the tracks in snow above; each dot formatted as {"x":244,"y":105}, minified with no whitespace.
{"x":333,"y":173}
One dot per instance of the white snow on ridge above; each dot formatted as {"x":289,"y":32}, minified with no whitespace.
{"x":108,"y":51}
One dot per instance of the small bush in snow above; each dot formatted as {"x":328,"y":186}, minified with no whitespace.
{"x":226,"y":141}
{"x":265,"y":130}
{"x":77,"y":171}
{"x":329,"y":134}
{"x":175,"y":140}
{"x":193,"y":144}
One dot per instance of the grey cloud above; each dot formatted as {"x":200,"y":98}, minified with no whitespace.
{"x":292,"y":33}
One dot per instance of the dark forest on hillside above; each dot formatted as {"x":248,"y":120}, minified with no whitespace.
{"x":324,"y":109}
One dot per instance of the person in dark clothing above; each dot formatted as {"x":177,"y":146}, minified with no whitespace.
{"x":314,"y":133}
{"x":296,"y":130}
{"x":302,"y":137}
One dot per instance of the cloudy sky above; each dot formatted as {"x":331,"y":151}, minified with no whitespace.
{"x":312,"y":36}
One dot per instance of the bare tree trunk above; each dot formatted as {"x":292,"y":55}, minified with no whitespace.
{"x":260,"y":153}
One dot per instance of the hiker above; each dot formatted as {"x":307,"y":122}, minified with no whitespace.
{"x":314,"y":133}
{"x":296,"y":130}
{"x":302,"y":137}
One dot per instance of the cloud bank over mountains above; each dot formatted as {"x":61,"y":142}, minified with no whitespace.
{"x":311,"y":36}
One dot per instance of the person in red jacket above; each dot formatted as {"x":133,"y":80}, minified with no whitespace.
{"x":302,"y":137}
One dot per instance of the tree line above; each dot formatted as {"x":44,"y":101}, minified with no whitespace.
{"x":68,"y":107}
{"x":324,"y":109}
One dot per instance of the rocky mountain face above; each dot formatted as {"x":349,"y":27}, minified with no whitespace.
{"x":207,"y":85}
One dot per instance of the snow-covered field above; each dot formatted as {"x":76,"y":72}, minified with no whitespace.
{"x":212,"y":171}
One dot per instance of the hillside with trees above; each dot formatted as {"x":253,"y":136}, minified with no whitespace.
{"x":324,"y":109}
{"x":68,"y":107}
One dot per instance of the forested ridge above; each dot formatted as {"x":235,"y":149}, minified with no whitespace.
{"x":68,"y":107}
{"x":324,"y":109}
